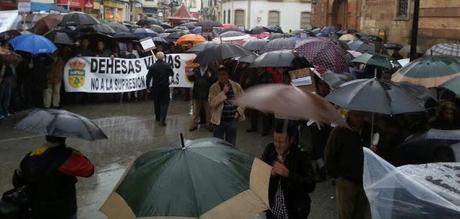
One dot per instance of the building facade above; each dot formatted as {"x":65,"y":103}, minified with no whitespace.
{"x":439,"y":20}
{"x":288,"y":14}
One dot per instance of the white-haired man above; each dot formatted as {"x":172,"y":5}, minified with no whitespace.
{"x":159,"y":74}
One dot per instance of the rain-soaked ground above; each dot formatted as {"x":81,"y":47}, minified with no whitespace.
{"x":132,"y":131}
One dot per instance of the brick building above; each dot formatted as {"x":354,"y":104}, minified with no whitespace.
{"x":439,"y":19}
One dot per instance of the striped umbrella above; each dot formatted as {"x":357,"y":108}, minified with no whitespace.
{"x":205,"y":178}
{"x":444,"y":49}
{"x":324,"y":53}
{"x":429,"y":71}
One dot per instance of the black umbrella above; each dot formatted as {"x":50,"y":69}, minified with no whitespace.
{"x":255,"y":45}
{"x":334,"y":80}
{"x":221,"y":52}
{"x":160,"y":41}
{"x":96,"y":28}
{"x":148,"y":21}
{"x":165,"y":25}
{"x":61,"y":123}
{"x":257,"y":30}
{"x":60,"y":37}
{"x":175,"y":35}
{"x":157,"y":28}
{"x":117,"y":27}
{"x":202,"y":46}
{"x":279,"y":58}
{"x":247,"y":59}
{"x":125,"y":37}
{"x":376,"y":96}
{"x":362,"y":47}
{"x":189,"y":25}
{"x":273,"y":29}
{"x":78,"y":18}
{"x":279,"y":44}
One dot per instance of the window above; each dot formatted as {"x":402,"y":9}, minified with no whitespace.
{"x":225,"y":16}
{"x":239,"y":17}
{"x":273,"y":18}
{"x":402,"y":10}
{"x":305,"y":20}
{"x":228,"y":15}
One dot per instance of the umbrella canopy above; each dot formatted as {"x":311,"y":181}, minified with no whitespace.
{"x":239,"y":40}
{"x":255,"y":45}
{"x":159,"y":40}
{"x":290,"y":102}
{"x":334,"y":80}
{"x":202,"y":46}
{"x":157,"y":28}
{"x":145,"y":32}
{"x":60,"y":37}
{"x":279,"y":58}
{"x":348,"y":37}
{"x":196,"y":30}
{"x":96,"y":28}
{"x":324,"y":53}
{"x":377,"y":61}
{"x":189,"y":25}
{"x":361,"y":46}
{"x":247,"y":59}
{"x":165,"y":25}
{"x":61,"y":123}
{"x":125,"y":37}
{"x":429,"y":71}
{"x":47,"y":23}
{"x":118,"y":27}
{"x":190,"y":38}
{"x":34,"y":44}
{"x":329,"y":30}
{"x":229,"y":26}
{"x":78,"y":18}
{"x":258,"y":30}
{"x":354,"y":53}
{"x":148,"y":21}
{"x":394,"y":46}
{"x":150,"y":189}
{"x":221,"y":52}
{"x":444,"y":49}
{"x":232,"y":33}
{"x":174,"y":36}
{"x":376,"y":96}
{"x":279,"y":44}
{"x":273,"y":29}
{"x":453,"y":85}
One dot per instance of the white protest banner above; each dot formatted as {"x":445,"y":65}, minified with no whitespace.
{"x":117,"y":75}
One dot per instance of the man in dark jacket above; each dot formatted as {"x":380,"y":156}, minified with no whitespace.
{"x":202,"y":80}
{"x":50,"y":174}
{"x":345,"y":161}
{"x":292,"y":177}
{"x":159,"y":74}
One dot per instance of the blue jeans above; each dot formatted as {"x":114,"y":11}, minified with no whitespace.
{"x":226,"y":131}
{"x":5,"y":97}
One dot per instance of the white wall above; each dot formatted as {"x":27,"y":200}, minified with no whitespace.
{"x":44,"y":1}
{"x":289,"y":12}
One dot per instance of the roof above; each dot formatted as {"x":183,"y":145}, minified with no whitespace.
{"x":182,"y":14}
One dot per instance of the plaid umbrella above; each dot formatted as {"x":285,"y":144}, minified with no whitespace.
{"x":279,"y":44}
{"x":324,"y":53}
{"x":429,"y":71}
{"x":444,"y":49}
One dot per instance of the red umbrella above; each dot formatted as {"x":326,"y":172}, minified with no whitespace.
{"x":324,"y":53}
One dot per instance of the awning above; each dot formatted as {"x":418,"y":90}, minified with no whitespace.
{"x":37,"y":7}
{"x":8,"y":20}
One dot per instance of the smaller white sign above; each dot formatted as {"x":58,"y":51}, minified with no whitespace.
{"x":24,"y":7}
{"x":302,"y":81}
{"x":147,"y":44}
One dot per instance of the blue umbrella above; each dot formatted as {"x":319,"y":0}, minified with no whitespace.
{"x":32,"y":43}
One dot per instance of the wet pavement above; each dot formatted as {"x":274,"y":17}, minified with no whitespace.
{"x":132,"y":131}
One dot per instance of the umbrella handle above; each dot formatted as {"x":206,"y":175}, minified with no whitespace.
{"x":182,"y":141}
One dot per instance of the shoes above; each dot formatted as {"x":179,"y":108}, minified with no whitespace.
{"x":193,"y":128}
{"x":251,"y":130}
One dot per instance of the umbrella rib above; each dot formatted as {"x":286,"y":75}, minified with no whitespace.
{"x":193,"y":184}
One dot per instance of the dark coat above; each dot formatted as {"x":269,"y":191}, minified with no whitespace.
{"x":50,"y":172}
{"x":344,"y":152}
{"x":297,"y":186}
{"x":159,"y":74}
{"x":201,"y":84}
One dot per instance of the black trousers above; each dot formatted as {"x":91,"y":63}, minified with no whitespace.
{"x":161,"y":104}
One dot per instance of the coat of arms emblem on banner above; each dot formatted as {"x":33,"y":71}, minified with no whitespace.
{"x":76,"y":73}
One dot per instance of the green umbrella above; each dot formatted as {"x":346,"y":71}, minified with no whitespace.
{"x":207,"y":178}
{"x":377,"y":61}
{"x":453,"y":85}
{"x":429,"y":71}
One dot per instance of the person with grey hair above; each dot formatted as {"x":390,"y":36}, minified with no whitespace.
{"x":160,"y":74}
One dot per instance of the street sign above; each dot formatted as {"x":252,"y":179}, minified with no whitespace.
{"x":147,"y":44}
{"x":24,"y":6}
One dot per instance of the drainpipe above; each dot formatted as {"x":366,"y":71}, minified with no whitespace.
{"x":248,"y":26}
{"x":413,"y":41}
